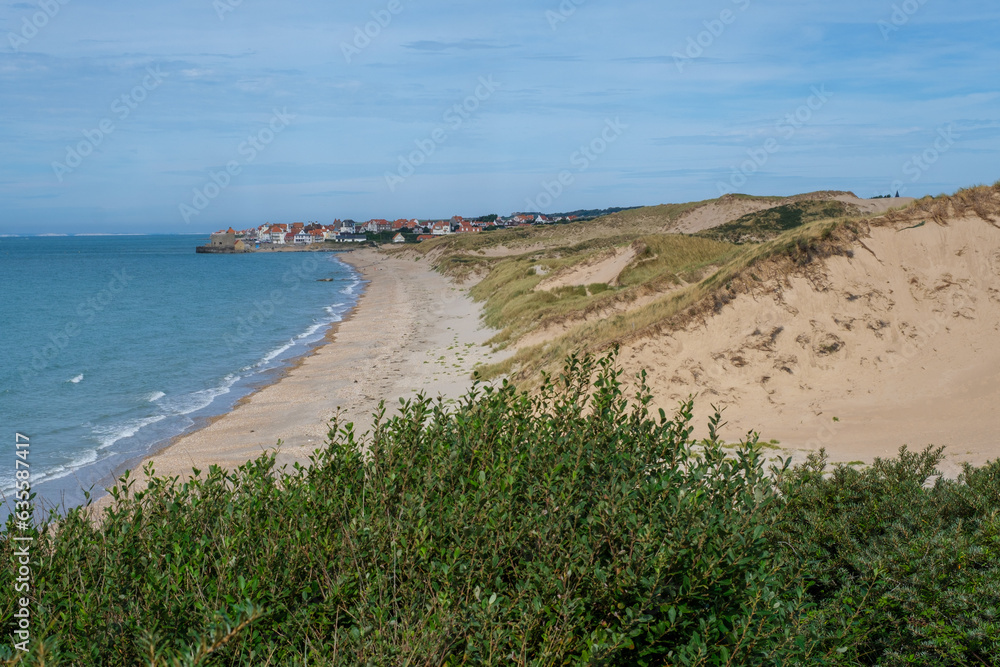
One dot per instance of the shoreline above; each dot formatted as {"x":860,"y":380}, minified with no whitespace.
{"x":411,"y":330}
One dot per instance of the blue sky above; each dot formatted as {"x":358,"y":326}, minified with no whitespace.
{"x":193,"y":115}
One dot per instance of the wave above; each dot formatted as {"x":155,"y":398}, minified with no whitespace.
{"x":198,"y":400}
{"x":155,"y":396}
{"x":109,"y":435}
{"x":77,"y":380}
{"x":349,"y":290}
{"x":59,"y":471}
{"x":311,"y":330}
{"x":106,"y":437}
{"x":273,"y":354}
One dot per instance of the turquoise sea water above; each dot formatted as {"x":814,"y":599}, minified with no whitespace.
{"x":112,"y":345}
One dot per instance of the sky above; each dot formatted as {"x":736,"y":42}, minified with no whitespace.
{"x":193,"y":115}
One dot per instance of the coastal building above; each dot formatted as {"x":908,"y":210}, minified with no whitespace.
{"x":223,"y":239}
{"x":302,"y":238}
{"x":223,"y":243}
{"x":377,"y":226}
{"x":350,"y":238}
{"x":399,"y":238}
{"x":278,"y":234}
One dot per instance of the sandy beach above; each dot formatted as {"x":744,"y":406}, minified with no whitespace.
{"x":412,"y":330}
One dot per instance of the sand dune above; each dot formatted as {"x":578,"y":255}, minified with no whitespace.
{"x":719,"y":212}
{"x":875,"y":206}
{"x":895,"y":345}
{"x":729,"y":208}
{"x":603,"y":269}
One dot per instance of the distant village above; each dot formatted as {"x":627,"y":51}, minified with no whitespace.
{"x":349,"y":231}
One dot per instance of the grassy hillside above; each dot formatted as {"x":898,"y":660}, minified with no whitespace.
{"x":736,"y":270}
{"x":509,"y":267}
{"x":616,"y":229}
{"x":671,"y":279}
{"x":766,"y":225}
{"x":515,"y":306}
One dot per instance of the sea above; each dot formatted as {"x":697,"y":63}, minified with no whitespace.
{"x":113,"y":345}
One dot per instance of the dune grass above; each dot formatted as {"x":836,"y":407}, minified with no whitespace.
{"x":692,"y":273}
{"x":765,"y":225}
{"x":672,"y":259}
{"x":741,"y":270}
{"x":514,"y":304}
{"x":615,"y":229}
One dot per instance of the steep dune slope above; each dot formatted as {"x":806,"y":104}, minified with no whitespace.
{"x":900,"y":343}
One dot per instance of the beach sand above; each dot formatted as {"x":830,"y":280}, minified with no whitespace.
{"x":412,"y":330}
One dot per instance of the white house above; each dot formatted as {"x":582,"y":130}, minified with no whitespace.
{"x":277,"y":235}
{"x":399,"y":238}
{"x":303,"y":238}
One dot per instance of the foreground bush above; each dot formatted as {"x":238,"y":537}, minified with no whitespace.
{"x":907,"y":571}
{"x":562,"y":528}
{"x":566,"y":527}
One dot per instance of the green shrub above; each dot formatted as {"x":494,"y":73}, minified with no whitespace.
{"x":561,"y":528}
{"x":907,"y":571}
{"x":569,"y":526}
